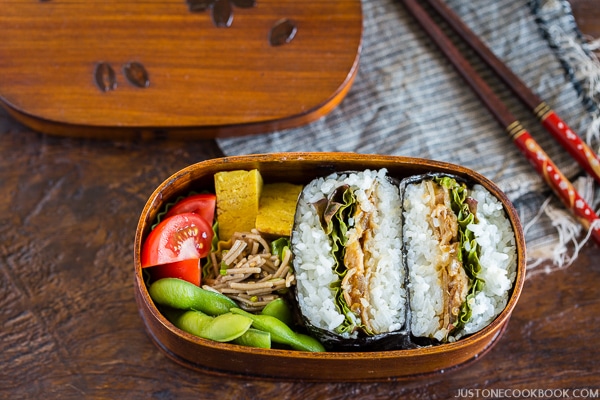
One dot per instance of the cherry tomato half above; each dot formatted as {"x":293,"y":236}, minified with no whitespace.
{"x":188,"y":270}
{"x":203,"y":204}
{"x":180,"y":237}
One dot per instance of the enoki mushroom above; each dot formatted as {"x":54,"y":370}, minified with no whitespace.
{"x":248,"y":273}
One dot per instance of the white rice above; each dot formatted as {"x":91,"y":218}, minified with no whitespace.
{"x":498,"y":260}
{"x":313,"y":262}
{"x":387,"y":299}
{"x":422,"y":251}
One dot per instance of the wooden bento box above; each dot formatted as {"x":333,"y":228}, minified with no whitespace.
{"x":235,"y":360}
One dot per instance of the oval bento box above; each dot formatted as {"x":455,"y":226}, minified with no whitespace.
{"x":224,"y":358}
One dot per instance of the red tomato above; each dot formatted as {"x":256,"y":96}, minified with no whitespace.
{"x":181,"y":237}
{"x":203,"y":204}
{"x":188,"y":270}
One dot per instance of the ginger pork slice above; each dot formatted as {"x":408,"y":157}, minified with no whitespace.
{"x":238,"y":196}
{"x":277,"y":208}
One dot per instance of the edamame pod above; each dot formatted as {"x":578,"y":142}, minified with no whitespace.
{"x":279,"y":309}
{"x":280,"y":332}
{"x":222,"y":328}
{"x":255,"y":338}
{"x":309,"y":343}
{"x":183,"y":295}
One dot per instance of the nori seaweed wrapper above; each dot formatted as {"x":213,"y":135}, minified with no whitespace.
{"x":471,"y":266}
{"x":333,"y":212}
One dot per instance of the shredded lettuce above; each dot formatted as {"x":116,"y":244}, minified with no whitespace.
{"x":334,"y":213}
{"x":465,"y":210}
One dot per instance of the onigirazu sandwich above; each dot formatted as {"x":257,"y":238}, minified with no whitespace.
{"x":382,"y":264}
{"x":348,"y":257}
{"x":460,"y":254}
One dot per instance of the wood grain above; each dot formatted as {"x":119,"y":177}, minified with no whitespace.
{"x":586,"y":14}
{"x":69,"y":326}
{"x":351,"y":366}
{"x":204,"y":80}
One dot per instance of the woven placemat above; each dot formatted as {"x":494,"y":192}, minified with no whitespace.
{"x":407,"y":100}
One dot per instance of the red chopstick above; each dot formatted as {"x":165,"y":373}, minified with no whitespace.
{"x":563,"y":188}
{"x":559,"y":129}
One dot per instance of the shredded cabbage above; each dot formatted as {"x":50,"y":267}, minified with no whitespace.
{"x":334,"y":214}
{"x":465,"y":210}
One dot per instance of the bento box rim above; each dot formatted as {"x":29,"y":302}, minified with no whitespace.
{"x":230,"y":162}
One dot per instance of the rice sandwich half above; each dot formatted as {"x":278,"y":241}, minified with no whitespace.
{"x":348,"y":258}
{"x":381,"y":266}
{"x":460,"y":253}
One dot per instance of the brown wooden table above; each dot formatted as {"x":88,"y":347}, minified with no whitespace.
{"x":69,"y":322}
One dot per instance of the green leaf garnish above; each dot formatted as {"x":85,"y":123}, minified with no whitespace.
{"x":465,"y":208}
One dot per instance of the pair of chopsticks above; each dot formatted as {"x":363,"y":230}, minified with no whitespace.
{"x":577,"y":148}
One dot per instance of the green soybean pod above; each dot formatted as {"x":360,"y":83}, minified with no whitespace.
{"x":222,"y":328}
{"x":280,"y":332}
{"x":254,"y":338}
{"x":309,"y":343}
{"x":279,"y":309}
{"x":226,"y":327}
{"x":183,"y":295}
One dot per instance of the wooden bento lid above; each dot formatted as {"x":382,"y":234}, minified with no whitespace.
{"x":195,"y":69}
